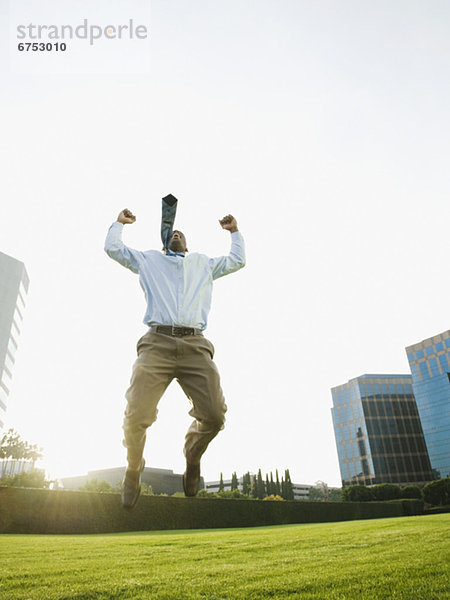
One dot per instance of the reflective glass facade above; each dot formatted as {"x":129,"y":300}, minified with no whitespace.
{"x":430,"y":367}
{"x":13,"y":290}
{"x":378,"y":433}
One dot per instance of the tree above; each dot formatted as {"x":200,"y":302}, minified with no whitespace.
{"x":321,"y":492}
{"x":335,"y":494}
{"x":13,"y":447}
{"x":234,"y":482}
{"x":260,"y":487}
{"x":272,"y":491}
{"x":253,"y":487}
{"x":221,"y":485}
{"x":246,"y":483}
{"x":315,"y":494}
{"x":289,"y":492}
{"x":277,"y":485}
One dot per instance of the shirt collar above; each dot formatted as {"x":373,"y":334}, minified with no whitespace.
{"x":170,"y":253}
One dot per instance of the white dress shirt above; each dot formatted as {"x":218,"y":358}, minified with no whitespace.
{"x":177,"y":289}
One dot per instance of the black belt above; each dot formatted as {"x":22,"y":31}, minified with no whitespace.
{"x":175,"y":330}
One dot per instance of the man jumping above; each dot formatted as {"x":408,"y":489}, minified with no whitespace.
{"x":178,"y":289}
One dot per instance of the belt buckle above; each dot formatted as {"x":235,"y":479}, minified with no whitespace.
{"x":177,"y":331}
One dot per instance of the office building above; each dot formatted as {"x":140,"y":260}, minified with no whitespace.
{"x":13,"y":290}
{"x":378,"y":433}
{"x":430,"y":367}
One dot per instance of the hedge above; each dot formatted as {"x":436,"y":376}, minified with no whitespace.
{"x":437,"y":492}
{"x":56,"y":512}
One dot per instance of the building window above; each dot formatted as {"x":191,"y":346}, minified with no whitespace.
{"x":9,"y":361}
{"x":443,"y":362}
{"x":15,"y":326}
{"x":18,"y":313}
{"x":433,"y":366}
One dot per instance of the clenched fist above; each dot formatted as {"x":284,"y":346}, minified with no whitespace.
{"x":229,"y":223}
{"x":126,"y":217}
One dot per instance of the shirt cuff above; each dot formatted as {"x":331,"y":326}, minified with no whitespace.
{"x":236,"y":234}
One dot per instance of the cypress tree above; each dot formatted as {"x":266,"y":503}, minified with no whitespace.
{"x":260,"y":487}
{"x":234,"y":481}
{"x":277,"y":485}
{"x":221,"y":486}
{"x":246,"y":483}
{"x":288,"y":484}
{"x":267,"y":485}
{"x":272,"y":485}
{"x":253,"y":487}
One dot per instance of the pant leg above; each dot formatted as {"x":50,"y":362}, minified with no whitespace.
{"x":153,"y":370}
{"x":199,"y":377}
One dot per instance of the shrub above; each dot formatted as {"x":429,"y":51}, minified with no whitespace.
{"x":230,"y":494}
{"x":224,"y":494}
{"x":411,"y":491}
{"x":274,"y":497}
{"x":437,"y":492}
{"x":33,"y":479}
{"x":411,"y":506}
{"x":146,"y":490}
{"x":385,"y":491}
{"x":356,"y":493}
{"x":335,"y":495}
{"x":94,"y":485}
{"x":59,"y":512}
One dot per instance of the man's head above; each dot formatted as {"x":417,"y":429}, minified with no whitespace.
{"x":178,"y":242}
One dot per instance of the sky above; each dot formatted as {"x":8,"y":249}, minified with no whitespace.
{"x":322,"y":126}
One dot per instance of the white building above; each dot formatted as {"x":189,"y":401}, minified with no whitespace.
{"x":13,"y":290}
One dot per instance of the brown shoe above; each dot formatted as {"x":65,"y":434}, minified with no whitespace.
{"x":191,"y":479}
{"x":131,"y":487}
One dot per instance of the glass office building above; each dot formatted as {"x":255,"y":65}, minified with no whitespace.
{"x":13,"y":290}
{"x":430,"y":367}
{"x":378,"y":433}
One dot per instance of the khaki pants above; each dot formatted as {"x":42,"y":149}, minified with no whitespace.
{"x":189,"y":360}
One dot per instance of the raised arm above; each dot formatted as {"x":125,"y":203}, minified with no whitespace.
{"x":223,"y":265}
{"x":116,"y":249}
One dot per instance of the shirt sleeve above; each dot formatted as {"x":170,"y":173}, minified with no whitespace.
{"x":223,"y":265}
{"x":116,"y":249}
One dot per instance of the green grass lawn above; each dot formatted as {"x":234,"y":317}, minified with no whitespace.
{"x":404,"y":558}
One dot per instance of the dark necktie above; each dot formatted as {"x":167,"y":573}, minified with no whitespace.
{"x":169,"y":210}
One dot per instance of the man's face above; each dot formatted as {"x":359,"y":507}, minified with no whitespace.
{"x":178,"y":242}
